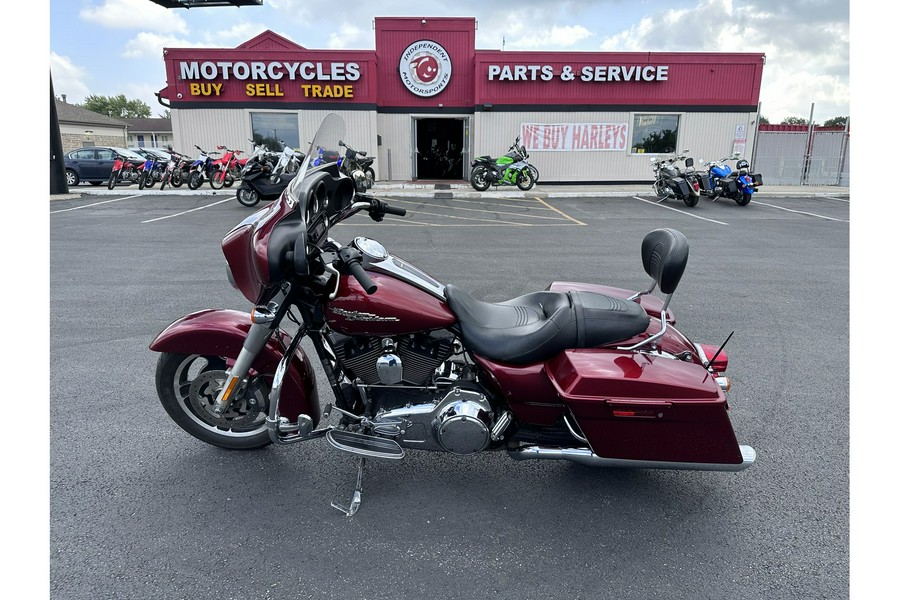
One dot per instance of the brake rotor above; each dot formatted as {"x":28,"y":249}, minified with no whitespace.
{"x":244,"y":409}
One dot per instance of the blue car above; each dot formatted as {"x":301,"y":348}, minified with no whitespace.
{"x":93,"y":164}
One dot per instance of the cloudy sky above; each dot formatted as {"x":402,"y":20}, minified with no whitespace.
{"x":110,"y":47}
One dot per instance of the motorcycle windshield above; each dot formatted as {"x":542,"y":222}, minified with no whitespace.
{"x":330,"y":132}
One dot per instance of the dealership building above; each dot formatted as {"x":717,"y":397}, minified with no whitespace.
{"x":425,"y":101}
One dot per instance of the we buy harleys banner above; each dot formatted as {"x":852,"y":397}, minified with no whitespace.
{"x":574,"y":136}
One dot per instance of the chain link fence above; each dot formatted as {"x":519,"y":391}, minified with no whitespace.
{"x":789,"y":155}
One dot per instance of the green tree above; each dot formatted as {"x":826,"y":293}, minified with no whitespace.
{"x":166,"y":114}
{"x":836,"y":122}
{"x":118,"y":107}
{"x":795,"y":121}
{"x":763,"y":120}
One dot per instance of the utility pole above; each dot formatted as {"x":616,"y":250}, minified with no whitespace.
{"x":58,"y":184}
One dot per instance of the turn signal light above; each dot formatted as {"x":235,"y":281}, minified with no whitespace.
{"x":724,"y":383}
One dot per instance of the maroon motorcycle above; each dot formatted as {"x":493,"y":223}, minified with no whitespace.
{"x":581,"y":372}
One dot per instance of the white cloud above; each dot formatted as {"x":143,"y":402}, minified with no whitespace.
{"x":68,"y":79}
{"x":135,"y":14}
{"x":349,"y":36}
{"x":556,"y":37}
{"x":150,"y":45}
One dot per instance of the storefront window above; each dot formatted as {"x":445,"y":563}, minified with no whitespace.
{"x":271,"y":128}
{"x":654,"y":134}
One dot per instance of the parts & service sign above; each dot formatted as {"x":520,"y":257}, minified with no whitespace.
{"x":425,"y":68}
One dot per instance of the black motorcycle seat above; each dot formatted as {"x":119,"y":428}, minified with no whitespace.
{"x":540,"y":325}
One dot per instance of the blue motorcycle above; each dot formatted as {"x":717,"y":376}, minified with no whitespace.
{"x":721,"y":181}
{"x":153,"y":169}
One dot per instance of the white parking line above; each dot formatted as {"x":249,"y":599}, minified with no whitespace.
{"x":684,"y":212}
{"x":53,"y":212}
{"x":800,"y":212}
{"x":838,"y":199}
{"x":189,"y":211}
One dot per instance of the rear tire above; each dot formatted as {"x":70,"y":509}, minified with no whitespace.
{"x":195,"y":180}
{"x":187,"y":385}
{"x":692,"y":200}
{"x":534,"y":173}
{"x":744,"y":200}
{"x":370,"y":177}
{"x":478,"y":180}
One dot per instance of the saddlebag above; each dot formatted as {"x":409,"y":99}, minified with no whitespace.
{"x":681,"y":187}
{"x":757,"y":179}
{"x":728,"y":185}
{"x":638,"y":406}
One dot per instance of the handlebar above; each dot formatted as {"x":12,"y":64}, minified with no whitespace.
{"x":352,"y":260}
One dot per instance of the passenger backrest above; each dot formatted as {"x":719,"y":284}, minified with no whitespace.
{"x":665,"y":254}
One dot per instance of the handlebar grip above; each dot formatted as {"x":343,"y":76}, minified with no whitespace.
{"x":392,"y":210}
{"x":356,"y":269}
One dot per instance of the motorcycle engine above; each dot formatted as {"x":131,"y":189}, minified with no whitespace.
{"x":413,"y":402}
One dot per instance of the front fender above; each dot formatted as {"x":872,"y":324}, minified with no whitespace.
{"x":222,"y":332}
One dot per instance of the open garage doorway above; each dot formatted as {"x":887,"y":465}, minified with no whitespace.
{"x":441,"y":148}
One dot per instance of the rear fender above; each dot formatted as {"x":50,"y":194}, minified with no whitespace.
{"x":222,"y":333}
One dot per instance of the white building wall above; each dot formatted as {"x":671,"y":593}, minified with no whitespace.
{"x":231,"y":127}
{"x":706,"y":135}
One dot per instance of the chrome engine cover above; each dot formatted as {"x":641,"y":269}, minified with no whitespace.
{"x":459,"y":422}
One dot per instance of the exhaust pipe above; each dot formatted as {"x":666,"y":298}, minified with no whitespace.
{"x":585,"y":457}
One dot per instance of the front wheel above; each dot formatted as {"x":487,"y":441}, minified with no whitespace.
{"x":164,"y":181}
{"x":195,"y":180}
{"x":177,"y":178}
{"x":524,"y":180}
{"x":217,"y":181}
{"x":188,"y":384}
{"x":142,"y":179}
{"x":247,"y":196}
{"x":112,"y":179}
{"x":744,"y":199}
{"x":150,"y":179}
{"x":478,"y":179}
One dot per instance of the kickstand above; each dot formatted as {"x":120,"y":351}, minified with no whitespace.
{"x":357,"y":493}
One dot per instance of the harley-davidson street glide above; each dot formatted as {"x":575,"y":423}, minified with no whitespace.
{"x":581,"y":372}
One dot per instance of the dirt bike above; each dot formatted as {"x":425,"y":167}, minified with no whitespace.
{"x":176,"y":170}
{"x":510,"y":169}
{"x":202,"y":169}
{"x":358,"y":160}
{"x":579,"y":371}
{"x":126,"y":168}
{"x":226,"y":169}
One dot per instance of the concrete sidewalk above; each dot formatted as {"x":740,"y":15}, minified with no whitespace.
{"x":462,"y":189}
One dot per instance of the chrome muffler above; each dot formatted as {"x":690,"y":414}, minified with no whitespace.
{"x":585,"y":456}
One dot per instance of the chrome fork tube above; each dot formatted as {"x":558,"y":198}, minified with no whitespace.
{"x":255,"y":341}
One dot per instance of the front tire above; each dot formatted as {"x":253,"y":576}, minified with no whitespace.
{"x":370,"y":177}
{"x":195,"y":180}
{"x":744,"y":200}
{"x":247,"y":196}
{"x":111,"y":183}
{"x":187,"y":386}
{"x":142,"y":179}
{"x":217,"y":181}
{"x":524,"y":180}
{"x":478,"y":180}
{"x":177,"y":178}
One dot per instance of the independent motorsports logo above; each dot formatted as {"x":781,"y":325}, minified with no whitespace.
{"x":425,"y":68}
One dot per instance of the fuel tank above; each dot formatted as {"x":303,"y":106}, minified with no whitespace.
{"x":395,"y":308}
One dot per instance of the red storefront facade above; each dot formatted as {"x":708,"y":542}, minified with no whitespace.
{"x":425,"y":101}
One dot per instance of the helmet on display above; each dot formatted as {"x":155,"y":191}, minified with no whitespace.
{"x":743,"y":164}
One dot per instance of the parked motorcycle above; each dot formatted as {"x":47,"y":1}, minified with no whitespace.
{"x":153,"y":170}
{"x":125,"y":169}
{"x":671,"y":182}
{"x":257,"y":182}
{"x":177,"y":170}
{"x":289,"y":161}
{"x":201,"y":169}
{"x":226,"y":169}
{"x":358,"y":160}
{"x":510,"y":169}
{"x":581,"y":372}
{"x":720,"y":180}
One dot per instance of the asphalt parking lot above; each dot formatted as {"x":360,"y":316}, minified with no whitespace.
{"x":139,"y":509}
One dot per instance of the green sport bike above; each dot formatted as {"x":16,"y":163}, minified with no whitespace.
{"x":510,"y":169}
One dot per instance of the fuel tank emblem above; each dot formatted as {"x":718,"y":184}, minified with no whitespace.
{"x":355,"y":315}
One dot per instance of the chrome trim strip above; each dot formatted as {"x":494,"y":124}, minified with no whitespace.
{"x":585,"y":457}
{"x":390,"y":266}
